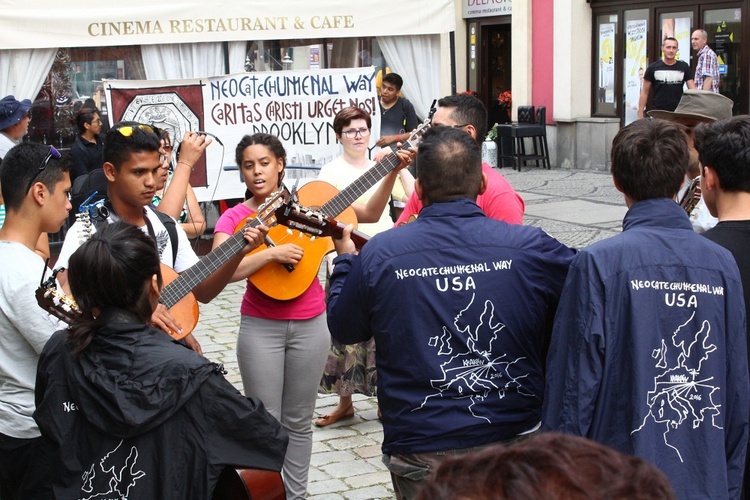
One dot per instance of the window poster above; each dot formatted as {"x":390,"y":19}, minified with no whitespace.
{"x":606,"y":91}
{"x":636,"y":61}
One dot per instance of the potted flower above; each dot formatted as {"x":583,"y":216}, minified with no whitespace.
{"x":504,"y":102}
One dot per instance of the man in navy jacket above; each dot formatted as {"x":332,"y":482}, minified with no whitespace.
{"x":648,"y":350}
{"x":460,"y":308}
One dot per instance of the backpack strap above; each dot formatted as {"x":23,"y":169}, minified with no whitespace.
{"x":171,"y":227}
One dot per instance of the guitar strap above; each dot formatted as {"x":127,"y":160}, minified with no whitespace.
{"x":106,"y":212}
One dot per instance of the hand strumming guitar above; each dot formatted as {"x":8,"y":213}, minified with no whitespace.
{"x":286,"y":254}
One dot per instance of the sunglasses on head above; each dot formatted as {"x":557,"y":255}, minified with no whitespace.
{"x":127,"y":130}
{"x":53,"y":153}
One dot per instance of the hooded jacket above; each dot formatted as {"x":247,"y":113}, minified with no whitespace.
{"x":136,"y":415}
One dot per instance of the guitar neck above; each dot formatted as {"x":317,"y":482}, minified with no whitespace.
{"x":353,"y":191}
{"x":359,"y":238}
{"x":205,"y":267}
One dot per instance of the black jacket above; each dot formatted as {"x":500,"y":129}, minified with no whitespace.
{"x":137,"y":415}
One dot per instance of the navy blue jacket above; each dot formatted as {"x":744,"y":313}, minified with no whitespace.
{"x":460,"y":306}
{"x":648,"y":352}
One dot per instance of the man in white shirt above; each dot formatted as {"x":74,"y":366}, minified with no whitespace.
{"x":35,"y":186}
{"x":131,"y":164}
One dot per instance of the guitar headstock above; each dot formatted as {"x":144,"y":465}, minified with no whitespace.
{"x":306,"y":220}
{"x":295,"y":216}
{"x":57,"y":304}
{"x":415,"y":137}
{"x":267,"y":211}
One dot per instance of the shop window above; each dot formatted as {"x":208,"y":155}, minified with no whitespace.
{"x":76,"y":78}
{"x":725,"y":38}
{"x":605,"y":77}
{"x":636,"y":60}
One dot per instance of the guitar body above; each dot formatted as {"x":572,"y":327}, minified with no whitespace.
{"x":245,"y":484}
{"x":186,"y":311}
{"x":274,"y":279}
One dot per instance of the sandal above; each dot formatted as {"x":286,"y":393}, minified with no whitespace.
{"x":330,"y":418}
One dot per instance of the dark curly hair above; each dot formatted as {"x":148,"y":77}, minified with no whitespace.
{"x":270,"y":141}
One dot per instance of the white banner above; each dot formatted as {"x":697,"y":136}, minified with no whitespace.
{"x":636,"y":62}
{"x":296,"y":106}
{"x":28,"y":24}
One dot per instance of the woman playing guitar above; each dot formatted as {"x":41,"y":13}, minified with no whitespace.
{"x":282,"y":345}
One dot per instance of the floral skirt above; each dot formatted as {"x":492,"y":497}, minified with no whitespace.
{"x":350,"y":369}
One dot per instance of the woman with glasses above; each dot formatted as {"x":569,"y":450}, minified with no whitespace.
{"x":174,"y":195}
{"x":88,"y":148}
{"x":351,"y":369}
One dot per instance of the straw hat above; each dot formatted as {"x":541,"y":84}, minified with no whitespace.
{"x":700,"y":105}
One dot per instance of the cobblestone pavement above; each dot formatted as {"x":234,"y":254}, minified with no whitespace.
{"x":576,"y":207}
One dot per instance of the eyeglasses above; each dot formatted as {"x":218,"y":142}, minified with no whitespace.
{"x":353,"y":132}
{"x":127,"y":130}
{"x":53,"y":153}
{"x":98,"y":120}
{"x":167,"y":147}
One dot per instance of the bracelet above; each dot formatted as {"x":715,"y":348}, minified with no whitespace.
{"x":185,"y":163}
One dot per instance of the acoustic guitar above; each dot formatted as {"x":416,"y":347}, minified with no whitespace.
{"x":247,"y":484}
{"x":308,"y":221}
{"x":177,"y":293}
{"x":289,"y":282}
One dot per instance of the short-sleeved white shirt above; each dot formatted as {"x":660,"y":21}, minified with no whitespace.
{"x":186,"y":256}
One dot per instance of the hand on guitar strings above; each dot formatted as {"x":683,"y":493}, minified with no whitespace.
{"x":289,"y":253}
{"x":345,"y":244}
{"x":254,"y":236}
{"x":405,"y":155}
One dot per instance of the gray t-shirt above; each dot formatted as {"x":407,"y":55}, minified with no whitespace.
{"x":399,"y":118}
{"x":24,"y":329}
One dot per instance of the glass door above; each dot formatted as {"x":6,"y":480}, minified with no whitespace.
{"x":724,"y":37}
{"x":677,"y":25}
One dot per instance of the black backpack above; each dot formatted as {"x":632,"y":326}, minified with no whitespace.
{"x":92,"y":185}
{"x":92,"y":188}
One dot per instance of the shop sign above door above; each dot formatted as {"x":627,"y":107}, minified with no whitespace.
{"x":485,"y":8}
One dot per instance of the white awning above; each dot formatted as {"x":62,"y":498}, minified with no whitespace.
{"x":28,"y":24}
